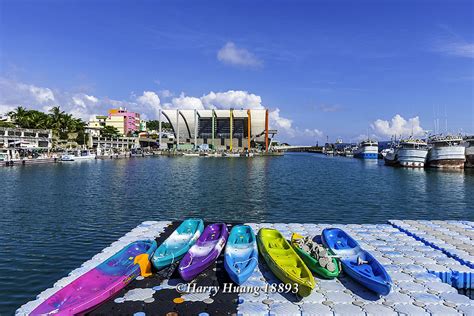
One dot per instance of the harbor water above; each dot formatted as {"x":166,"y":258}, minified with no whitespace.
{"x":54,"y":217}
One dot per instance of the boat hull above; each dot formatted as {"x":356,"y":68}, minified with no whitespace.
{"x":99,"y":284}
{"x":204,"y":252}
{"x":447,"y":157}
{"x":284,"y":261}
{"x":178,"y":243}
{"x":412,"y":158}
{"x":356,"y":262}
{"x":241,"y":253}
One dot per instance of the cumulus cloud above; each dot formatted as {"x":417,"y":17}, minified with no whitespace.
{"x":232,"y":99}
{"x":398,"y":126}
{"x":149,"y":98}
{"x":14,"y":94}
{"x":233,"y":55}
{"x":185,"y":102}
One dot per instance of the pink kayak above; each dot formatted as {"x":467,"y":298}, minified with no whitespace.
{"x":99,"y":284}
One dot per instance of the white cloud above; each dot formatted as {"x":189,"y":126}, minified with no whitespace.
{"x":149,"y":98}
{"x":281,"y":123}
{"x":398,"y":126}
{"x":231,"y":54}
{"x":461,"y":49}
{"x":232,"y":99}
{"x":165,"y":93}
{"x":184,"y":102}
{"x":313,"y":133}
{"x":83,"y":100}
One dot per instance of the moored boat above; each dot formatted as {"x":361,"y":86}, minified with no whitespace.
{"x":178,"y":243}
{"x":204,"y":252}
{"x":78,"y":155}
{"x":356,"y":262}
{"x":99,"y":284}
{"x":446,"y":151}
{"x":412,"y":152}
{"x":284,"y":261}
{"x":316,"y":257}
{"x":241,"y":253}
{"x":367,"y":149}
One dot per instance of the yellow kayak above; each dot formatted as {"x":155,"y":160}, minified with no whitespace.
{"x":284,"y":261}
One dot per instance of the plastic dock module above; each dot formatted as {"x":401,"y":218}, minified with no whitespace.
{"x":422,"y":275}
{"x":455,"y":239}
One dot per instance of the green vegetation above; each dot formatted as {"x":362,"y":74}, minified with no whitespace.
{"x":60,"y":122}
{"x":154,"y":125}
{"x":109,"y":131}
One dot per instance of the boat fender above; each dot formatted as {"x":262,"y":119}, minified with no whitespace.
{"x":145,"y":264}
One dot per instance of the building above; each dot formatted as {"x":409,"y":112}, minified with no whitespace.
{"x":218,"y":129}
{"x":125,"y":121}
{"x":24,"y":138}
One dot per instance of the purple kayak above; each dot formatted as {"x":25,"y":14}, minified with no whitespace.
{"x":204,"y":252}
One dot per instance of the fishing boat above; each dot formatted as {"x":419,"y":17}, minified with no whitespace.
{"x":367,"y":149}
{"x":446,"y":151}
{"x":204,"y":252}
{"x":412,"y":152}
{"x":356,"y":262}
{"x":469,"y":151}
{"x":390,"y":156}
{"x":284,"y":261}
{"x":191,"y":154}
{"x":231,"y":155}
{"x":178,"y":243}
{"x":241,"y":253}
{"x":99,"y":284}
{"x":316,"y":257}
{"x":79,"y":155}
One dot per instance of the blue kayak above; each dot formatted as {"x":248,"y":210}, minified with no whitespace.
{"x":241,"y":253}
{"x":356,"y":262}
{"x":178,"y":243}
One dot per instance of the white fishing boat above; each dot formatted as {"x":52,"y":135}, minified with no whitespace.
{"x":231,"y":155}
{"x":469,"y":151}
{"x":79,"y":155}
{"x":412,"y":152}
{"x":446,"y":151}
{"x":367,"y":149}
{"x":191,"y":154}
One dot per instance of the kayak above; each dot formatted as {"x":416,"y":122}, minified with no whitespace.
{"x":204,"y":252}
{"x":356,"y":262}
{"x":316,"y":257}
{"x":178,"y":243}
{"x":241,"y":253}
{"x":284,"y":262}
{"x":99,"y":284}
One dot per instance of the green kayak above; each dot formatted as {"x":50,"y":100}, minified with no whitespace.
{"x":284,"y":262}
{"x":316,"y":257}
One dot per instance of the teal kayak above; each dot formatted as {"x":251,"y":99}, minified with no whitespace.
{"x":178,"y":243}
{"x":241,"y":253}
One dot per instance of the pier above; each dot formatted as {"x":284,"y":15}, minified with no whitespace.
{"x":430,"y":262}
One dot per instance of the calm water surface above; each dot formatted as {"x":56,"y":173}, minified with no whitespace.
{"x":54,"y":217}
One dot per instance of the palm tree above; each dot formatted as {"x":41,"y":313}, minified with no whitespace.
{"x":57,"y":118}
{"x":19,"y":116}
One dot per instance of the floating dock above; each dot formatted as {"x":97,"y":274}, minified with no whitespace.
{"x":428,"y":261}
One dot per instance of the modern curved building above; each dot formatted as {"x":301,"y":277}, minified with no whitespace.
{"x":219,"y":129}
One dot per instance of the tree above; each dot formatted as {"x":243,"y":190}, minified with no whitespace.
{"x":19,"y":115}
{"x":154,"y":125}
{"x":109,"y":131}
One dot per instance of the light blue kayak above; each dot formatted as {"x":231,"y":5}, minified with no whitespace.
{"x":241,"y":253}
{"x":356,"y":262}
{"x":178,"y":243}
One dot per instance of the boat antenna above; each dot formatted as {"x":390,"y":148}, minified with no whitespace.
{"x":446,"y":119}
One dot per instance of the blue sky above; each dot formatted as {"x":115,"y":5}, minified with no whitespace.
{"x":324,"y":68}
